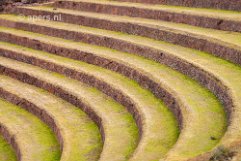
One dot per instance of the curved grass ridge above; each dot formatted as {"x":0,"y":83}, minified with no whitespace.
{"x":196,"y":53}
{"x":228,"y":42}
{"x":221,"y":21}
{"x":6,"y":151}
{"x":224,"y":4}
{"x":164,"y":133}
{"x":34,"y":139}
{"x":55,"y":41}
{"x":221,"y":42}
{"x":217,"y":83}
{"x":118,"y":40}
{"x":119,"y":127}
{"x":210,"y":58}
{"x":218,"y":19}
{"x":151,"y":69}
{"x":78,"y":135}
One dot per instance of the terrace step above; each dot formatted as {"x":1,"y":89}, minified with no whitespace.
{"x":78,"y":135}
{"x":176,"y":83}
{"x":31,"y":138}
{"x":6,"y":151}
{"x":184,"y":60}
{"x":214,"y":81}
{"x":158,"y":125}
{"x":66,"y":88}
{"x":206,"y":71}
{"x":217,"y":19}
{"x":218,"y":4}
{"x":220,"y":43}
{"x":116,"y":122}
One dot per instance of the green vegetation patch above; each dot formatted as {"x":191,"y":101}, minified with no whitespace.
{"x":6,"y":151}
{"x":35,"y":139}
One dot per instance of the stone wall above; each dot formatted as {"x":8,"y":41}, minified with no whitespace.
{"x":10,"y":3}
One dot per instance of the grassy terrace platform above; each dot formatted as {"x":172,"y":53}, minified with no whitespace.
{"x":217,"y":4}
{"x":117,"y":125}
{"x":217,"y":19}
{"x":219,"y":43}
{"x":154,"y":11}
{"x":34,"y":140}
{"x":191,"y":107}
{"x":78,"y":135}
{"x":7,"y":152}
{"x":167,"y":124}
{"x":139,"y":80}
